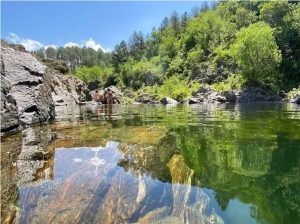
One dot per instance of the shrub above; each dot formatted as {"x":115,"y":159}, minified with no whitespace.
{"x":174,"y":87}
{"x":232,"y":82}
{"x":101,"y":73}
{"x":256,"y":53}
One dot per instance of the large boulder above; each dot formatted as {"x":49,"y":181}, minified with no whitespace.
{"x":118,"y":97}
{"x":25,"y":90}
{"x":193,"y":100}
{"x":146,"y":98}
{"x":168,"y":100}
{"x":207,"y":94}
{"x":67,"y":89}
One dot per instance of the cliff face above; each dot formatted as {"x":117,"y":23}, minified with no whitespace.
{"x":30,"y":90}
{"x":67,"y":90}
{"x":25,"y":90}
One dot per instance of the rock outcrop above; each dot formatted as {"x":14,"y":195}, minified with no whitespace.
{"x":118,"y":96}
{"x":25,"y":90}
{"x":67,"y":89}
{"x":246,"y":95}
{"x":30,"y":89}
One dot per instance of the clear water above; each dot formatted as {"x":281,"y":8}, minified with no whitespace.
{"x":156,"y":164}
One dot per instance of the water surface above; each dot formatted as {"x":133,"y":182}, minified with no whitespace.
{"x":156,"y":164}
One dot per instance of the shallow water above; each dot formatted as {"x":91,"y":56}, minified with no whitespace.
{"x":156,"y":164}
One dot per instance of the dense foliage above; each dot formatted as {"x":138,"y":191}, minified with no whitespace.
{"x":226,"y":45}
{"x":75,"y":56}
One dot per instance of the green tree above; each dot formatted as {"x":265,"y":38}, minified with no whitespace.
{"x":120,"y":55}
{"x":136,"y":45}
{"x":50,"y":53}
{"x":273,"y":12}
{"x":175,"y":23}
{"x":256,"y":53}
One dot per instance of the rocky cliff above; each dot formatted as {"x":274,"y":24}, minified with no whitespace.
{"x":30,"y":90}
{"x":67,"y":90}
{"x":25,"y":90}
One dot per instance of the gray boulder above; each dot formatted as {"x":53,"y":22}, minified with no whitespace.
{"x":230,"y":96}
{"x":168,"y":100}
{"x":118,"y":97}
{"x":147,"y":99}
{"x":25,"y":90}
{"x":67,"y":89}
{"x":193,"y":100}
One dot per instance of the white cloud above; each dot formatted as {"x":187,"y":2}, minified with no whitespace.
{"x":14,"y":38}
{"x":51,"y":45}
{"x":89,"y":44}
{"x":30,"y":45}
{"x":92,"y":44}
{"x":71,"y":44}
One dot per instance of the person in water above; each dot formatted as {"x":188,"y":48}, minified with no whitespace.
{"x":97,"y":97}
{"x":109,"y":96}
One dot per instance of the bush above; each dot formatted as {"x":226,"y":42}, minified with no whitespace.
{"x":232,"y":82}
{"x":101,"y":73}
{"x":174,"y":87}
{"x":58,"y":65}
{"x":256,"y":53}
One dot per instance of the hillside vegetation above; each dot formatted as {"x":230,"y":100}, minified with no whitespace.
{"x":226,"y":45}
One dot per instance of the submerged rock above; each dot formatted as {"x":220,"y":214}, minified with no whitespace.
{"x":25,"y":90}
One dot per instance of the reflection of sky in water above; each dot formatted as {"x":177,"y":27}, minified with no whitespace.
{"x":86,"y":159}
{"x":93,"y":165}
{"x":235,"y":211}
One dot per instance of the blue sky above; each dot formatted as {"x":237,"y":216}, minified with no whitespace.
{"x":95,"y":24}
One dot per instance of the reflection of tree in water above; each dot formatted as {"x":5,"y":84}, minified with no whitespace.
{"x":185,"y":203}
{"x":285,"y":170}
{"x":259,"y":171}
{"x":259,"y":167}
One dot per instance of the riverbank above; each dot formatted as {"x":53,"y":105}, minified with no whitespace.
{"x":31,"y":90}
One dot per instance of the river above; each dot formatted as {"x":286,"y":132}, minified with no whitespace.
{"x":210,"y":163}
